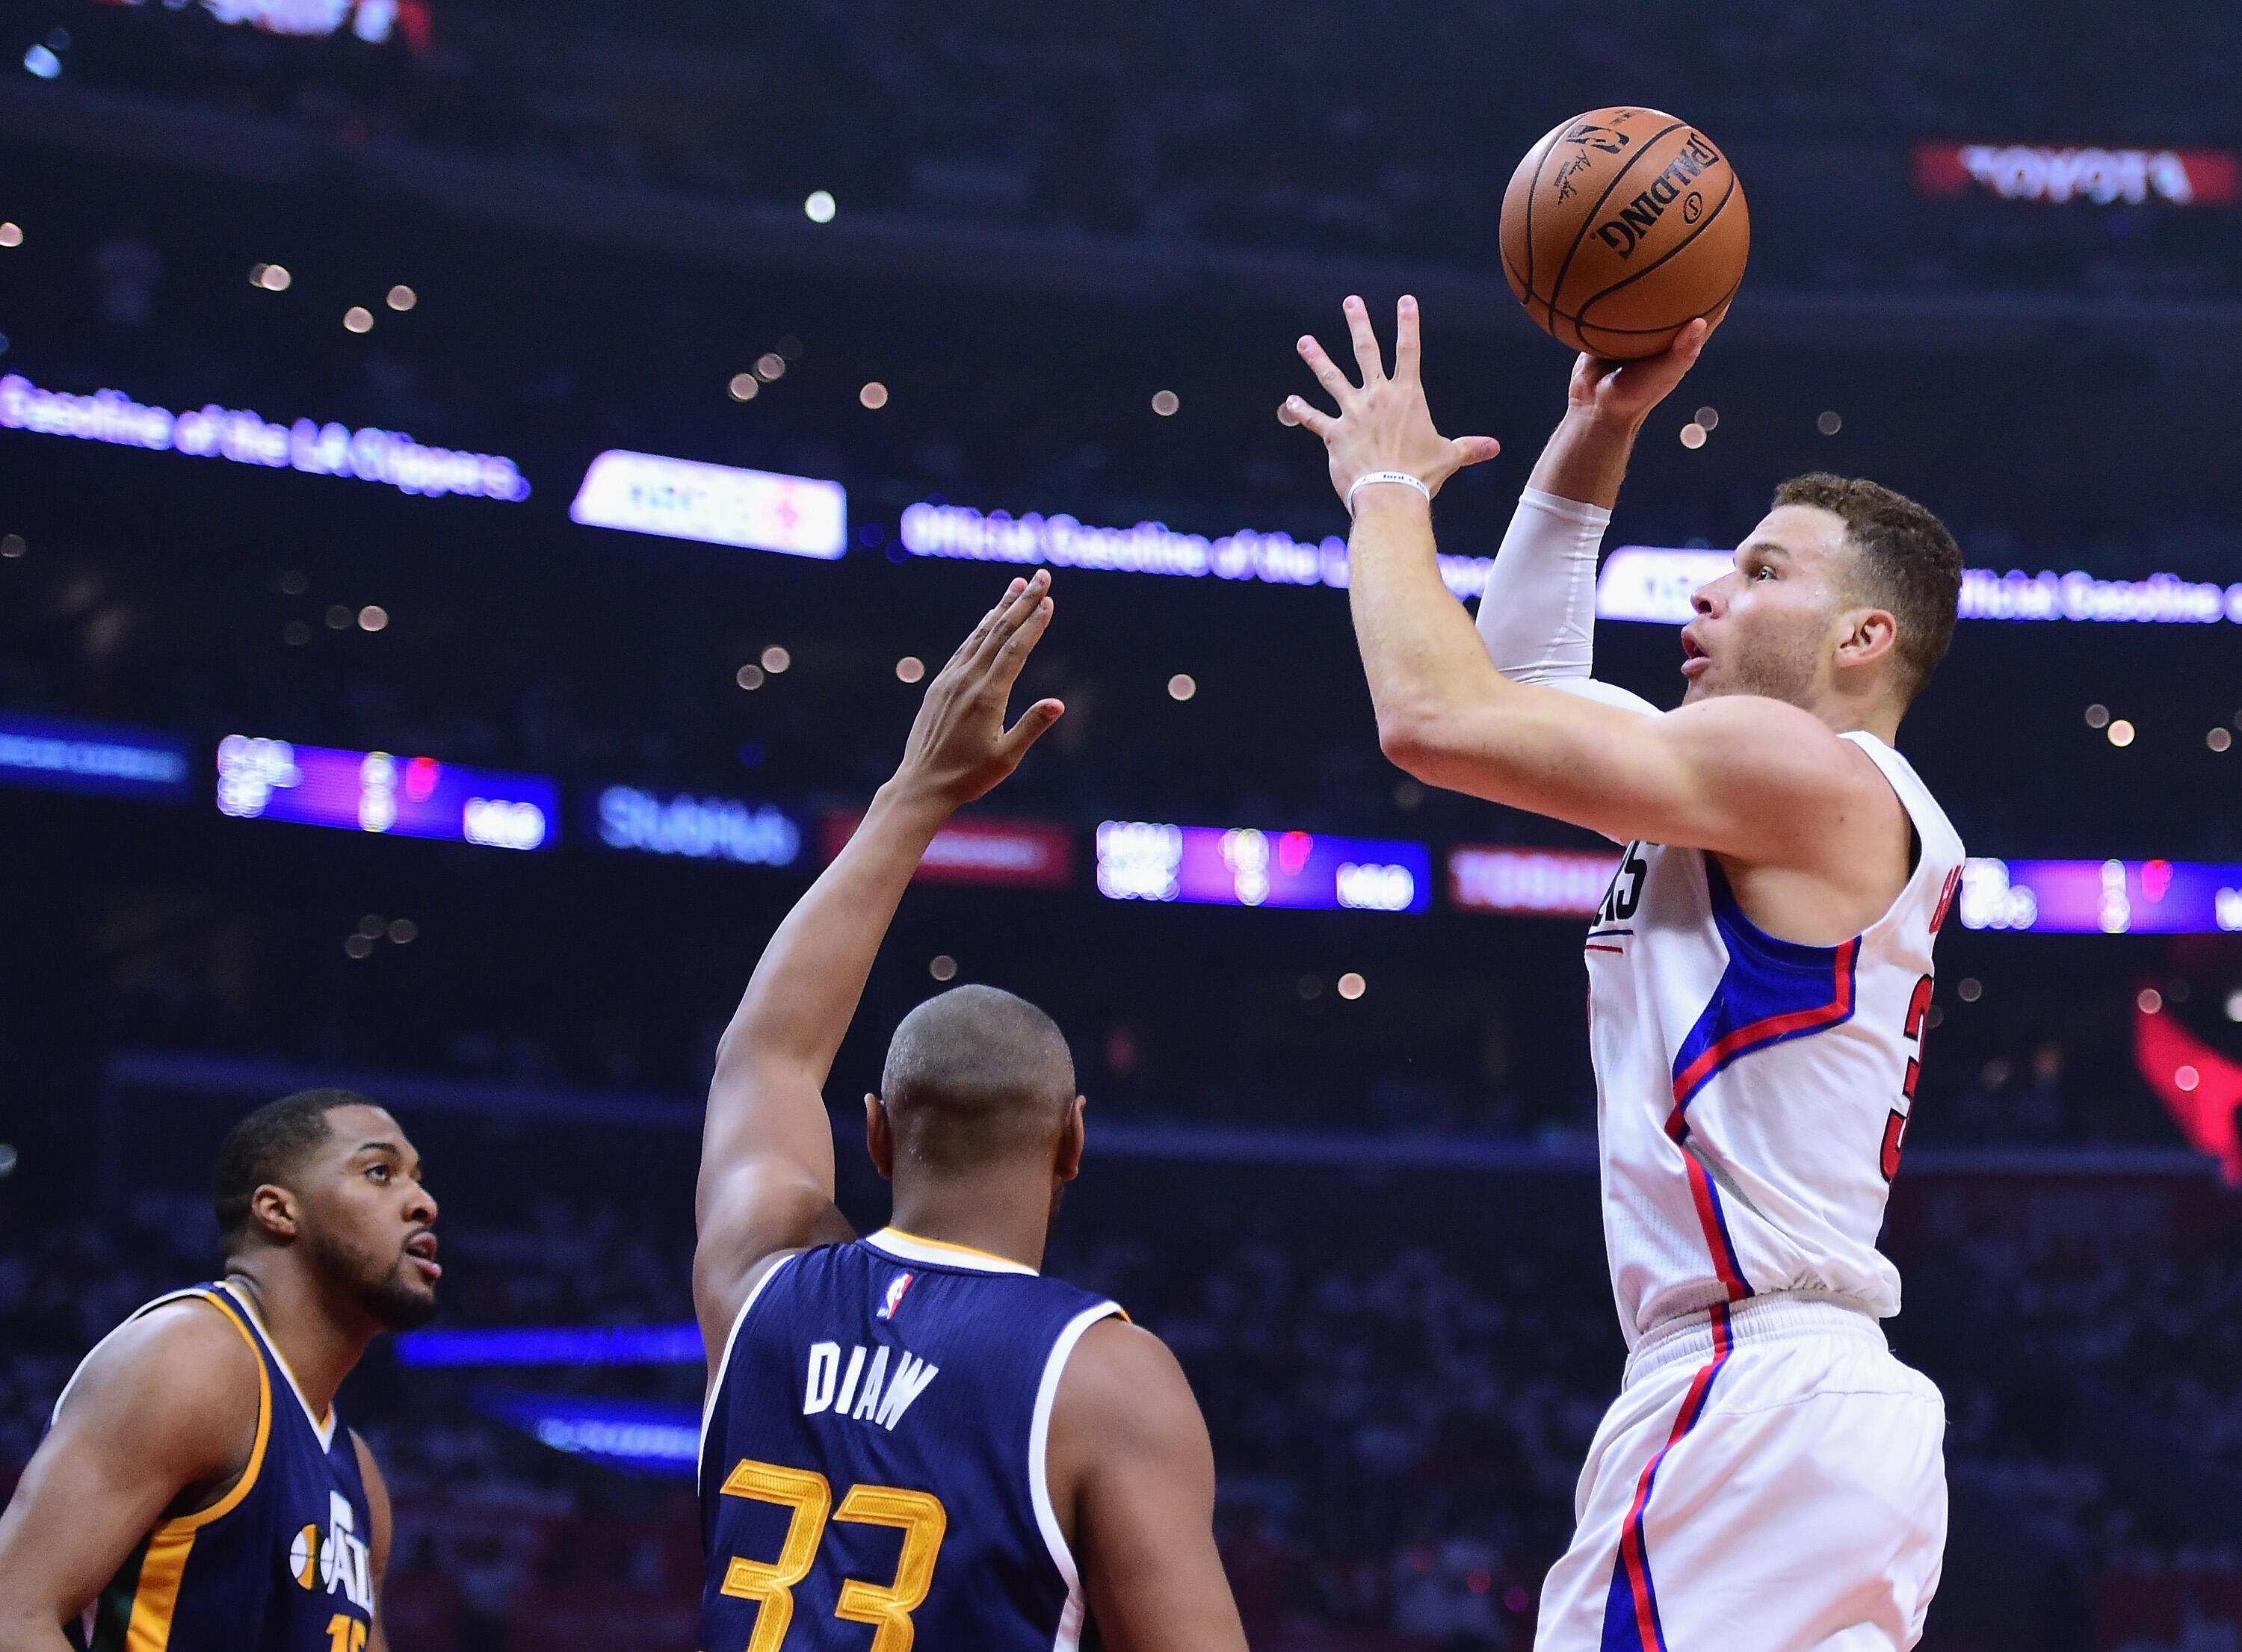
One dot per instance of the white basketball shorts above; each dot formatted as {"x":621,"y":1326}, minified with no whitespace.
{"x":1770,"y":1479}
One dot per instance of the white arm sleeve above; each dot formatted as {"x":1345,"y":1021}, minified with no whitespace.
{"x":1537,"y":613}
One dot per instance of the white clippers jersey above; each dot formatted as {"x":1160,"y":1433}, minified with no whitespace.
{"x":1752,"y":1094}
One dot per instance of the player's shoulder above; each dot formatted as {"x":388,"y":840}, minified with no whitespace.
{"x":1755,"y":714}
{"x":183,"y":1347}
{"x":179,"y":1371}
{"x":1779,"y":739}
{"x":1121,"y":1381}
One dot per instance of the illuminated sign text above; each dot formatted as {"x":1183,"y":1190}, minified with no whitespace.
{"x":930,"y":529}
{"x":245,"y":437}
{"x":2101,"y":897}
{"x":2105,"y":176}
{"x":60,"y":756}
{"x":415,"y":796}
{"x":713,"y":503}
{"x":1241,"y":866}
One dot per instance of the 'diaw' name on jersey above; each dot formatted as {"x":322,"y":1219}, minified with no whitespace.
{"x":863,"y":1390}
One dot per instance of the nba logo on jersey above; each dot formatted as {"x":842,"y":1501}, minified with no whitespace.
{"x":897,"y":1287}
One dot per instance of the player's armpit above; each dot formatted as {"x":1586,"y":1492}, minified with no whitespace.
{"x":1131,"y":1477}
{"x":750,"y":1210}
{"x":1754,"y":778}
{"x":379,"y":1520}
{"x":161,"y":1421}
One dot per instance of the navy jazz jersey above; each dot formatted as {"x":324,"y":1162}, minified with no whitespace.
{"x":872,"y":1457}
{"x":281,"y":1563}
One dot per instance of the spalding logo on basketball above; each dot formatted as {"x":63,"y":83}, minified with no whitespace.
{"x":1621,"y":227}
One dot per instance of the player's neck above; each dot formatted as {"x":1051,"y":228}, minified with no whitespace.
{"x":1846,"y":712}
{"x":1000,"y":1216}
{"x":320,"y":1338}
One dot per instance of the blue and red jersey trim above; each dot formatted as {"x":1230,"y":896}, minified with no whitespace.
{"x":1772,"y":991}
{"x":1631,"y":1620}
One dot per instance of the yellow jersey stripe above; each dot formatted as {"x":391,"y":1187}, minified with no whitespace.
{"x":164,"y":1569}
{"x":955,"y":1249}
{"x":226,"y":1504}
{"x":156,"y":1596}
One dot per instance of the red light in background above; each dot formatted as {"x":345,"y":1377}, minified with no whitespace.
{"x":421,"y":777}
{"x":2199,"y":1087}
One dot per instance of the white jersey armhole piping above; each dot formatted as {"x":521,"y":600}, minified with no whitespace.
{"x":723,"y":1365}
{"x":54,"y":1415}
{"x":1071,"y":1618}
{"x":1913,"y":891}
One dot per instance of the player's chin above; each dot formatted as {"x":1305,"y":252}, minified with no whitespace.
{"x":405,"y":1300}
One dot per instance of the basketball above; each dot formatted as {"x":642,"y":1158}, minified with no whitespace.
{"x":1621,"y":227}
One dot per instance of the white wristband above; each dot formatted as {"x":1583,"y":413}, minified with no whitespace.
{"x":1402,"y":476}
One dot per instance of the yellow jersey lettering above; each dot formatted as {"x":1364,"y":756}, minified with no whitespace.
{"x":770,"y":1584}
{"x":924,"y":1523}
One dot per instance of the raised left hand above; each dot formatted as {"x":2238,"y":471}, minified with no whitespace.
{"x":959,"y":748}
{"x":1383,"y":424}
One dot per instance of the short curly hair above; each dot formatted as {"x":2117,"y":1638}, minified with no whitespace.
{"x":1909,"y":562}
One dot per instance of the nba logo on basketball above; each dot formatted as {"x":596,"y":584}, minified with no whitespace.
{"x":897,"y":1287}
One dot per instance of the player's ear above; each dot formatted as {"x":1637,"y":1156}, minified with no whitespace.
{"x":273,"y":1208}
{"x":1068,"y":1163}
{"x":879,"y":1137}
{"x":1867,"y":638}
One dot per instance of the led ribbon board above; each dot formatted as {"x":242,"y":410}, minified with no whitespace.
{"x":676,"y":498}
{"x":552,"y":1344}
{"x":415,"y":796}
{"x":2101,"y":897}
{"x":2105,"y":177}
{"x":624,"y":1434}
{"x":1536,"y":883}
{"x":245,"y":437}
{"x":370,"y":20}
{"x":1654,"y":585}
{"x":935,"y":529}
{"x":1240,"y":866}
{"x":699,"y":828}
{"x":1020,"y":855}
{"x":61,"y":756}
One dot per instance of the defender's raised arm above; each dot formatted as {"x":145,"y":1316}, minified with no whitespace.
{"x":766,"y":1147}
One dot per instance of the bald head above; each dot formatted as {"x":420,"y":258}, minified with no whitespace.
{"x":974,"y":1076}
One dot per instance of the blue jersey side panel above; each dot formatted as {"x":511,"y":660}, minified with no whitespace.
{"x":874,"y":1370}
{"x":273,"y":1565}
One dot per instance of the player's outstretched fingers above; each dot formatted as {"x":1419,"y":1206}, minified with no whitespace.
{"x":1004,"y":670}
{"x":1326,"y":371}
{"x":964,"y":650}
{"x":1296,"y":412}
{"x":1368,"y":356}
{"x":1019,"y":607}
{"x":1404,"y":341}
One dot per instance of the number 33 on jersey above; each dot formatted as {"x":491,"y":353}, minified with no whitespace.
{"x":874,"y":1454}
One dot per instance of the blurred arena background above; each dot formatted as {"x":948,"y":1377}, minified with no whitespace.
{"x":358,"y":355}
